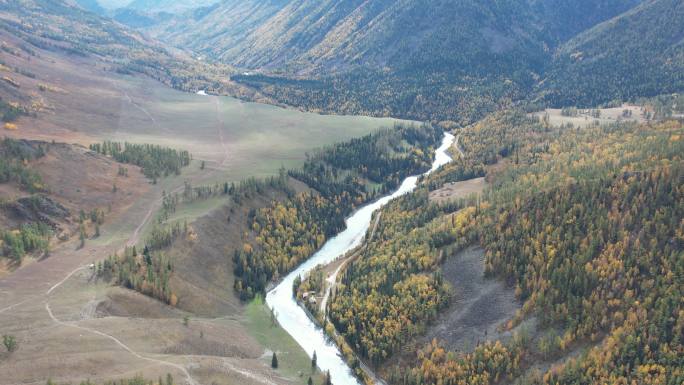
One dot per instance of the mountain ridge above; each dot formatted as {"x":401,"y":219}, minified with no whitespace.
{"x":449,"y":60}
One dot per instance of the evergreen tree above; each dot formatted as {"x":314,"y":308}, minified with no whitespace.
{"x":274,"y":361}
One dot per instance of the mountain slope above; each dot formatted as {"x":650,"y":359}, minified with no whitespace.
{"x":390,"y":57}
{"x":565,"y":19}
{"x":299,"y":34}
{"x":441,"y":60}
{"x":305,"y":33}
{"x":85,"y":39}
{"x":640,"y":53}
{"x":168,"y":6}
{"x":92,"y":6}
{"x":220,"y":25}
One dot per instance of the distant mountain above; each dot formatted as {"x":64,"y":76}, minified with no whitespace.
{"x":113,"y":4}
{"x":99,"y":41}
{"x":92,"y":6}
{"x":640,"y":53}
{"x":223,"y":25}
{"x":338,"y":34}
{"x":138,"y":19}
{"x":168,"y":6}
{"x":438,"y":59}
{"x":382,"y":33}
{"x":564,"y":19}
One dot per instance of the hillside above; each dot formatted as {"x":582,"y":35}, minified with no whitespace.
{"x":452,"y":60}
{"x":578,"y":236}
{"x":395,"y":57}
{"x":523,"y":224}
{"x":639,"y":53}
{"x":113,"y":4}
{"x":87,"y":40}
{"x":42,"y":191}
{"x":168,"y":6}
{"x":221,"y":25}
{"x":390,"y":34}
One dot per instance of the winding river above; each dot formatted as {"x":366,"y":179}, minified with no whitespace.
{"x":293,"y":318}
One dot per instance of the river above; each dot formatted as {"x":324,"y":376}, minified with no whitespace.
{"x":294,"y":320}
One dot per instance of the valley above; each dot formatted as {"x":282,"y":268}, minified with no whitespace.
{"x":285,"y":192}
{"x":58,"y":301}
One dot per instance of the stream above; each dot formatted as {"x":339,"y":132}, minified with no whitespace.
{"x":294,"y":319}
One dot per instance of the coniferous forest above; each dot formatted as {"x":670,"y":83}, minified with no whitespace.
{"x":286,"y":210}
{"x":593,"y":251}
{"x":342,"y":177}
{"x":155,"y":161}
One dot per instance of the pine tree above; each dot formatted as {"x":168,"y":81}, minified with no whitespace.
{"x":82,"y":235}
{"x":313,"y":362}
{"x":274,"y":361}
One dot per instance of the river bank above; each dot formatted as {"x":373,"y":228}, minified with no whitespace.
{"x":295,"y":320}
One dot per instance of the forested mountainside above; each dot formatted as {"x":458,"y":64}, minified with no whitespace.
{"x":586,"y":227}
{"x":168,"y":6}
{"x":225,"y":24}
{"x":56,"y":25}
{"x":565,"y":19}
{"x":390,"y":34}
{"x":639,"y":53}
{"x":451,"y":60}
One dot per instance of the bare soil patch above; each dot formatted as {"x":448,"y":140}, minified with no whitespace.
{"x":83,"y":180}
{"x":119,"y":302}
{"x":457,"y":190}
{"x":585,"y":119}
{"x":478,"y":305}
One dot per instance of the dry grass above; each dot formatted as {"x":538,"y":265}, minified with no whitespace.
{"x":584,"y":118}
{"x":458,"y":190}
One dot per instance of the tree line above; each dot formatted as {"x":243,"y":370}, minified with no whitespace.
{"x":14,"y":154}
{"x":28,"y":238}
{"x":156,"y":161}
{"x":148,"y":273}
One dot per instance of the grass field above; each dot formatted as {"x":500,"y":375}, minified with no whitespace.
{"x":80,"y":101}
{"x":583,"y":118}
{"x":239,"y":138}
{"x":292,"y":361}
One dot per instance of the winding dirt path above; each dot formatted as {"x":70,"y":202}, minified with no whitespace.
{"x":332,"y":279}
{"x":189,"y":378}
{"x":147,"y":113}
{"x":220,"y":126}
{"x":458,"y":146}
